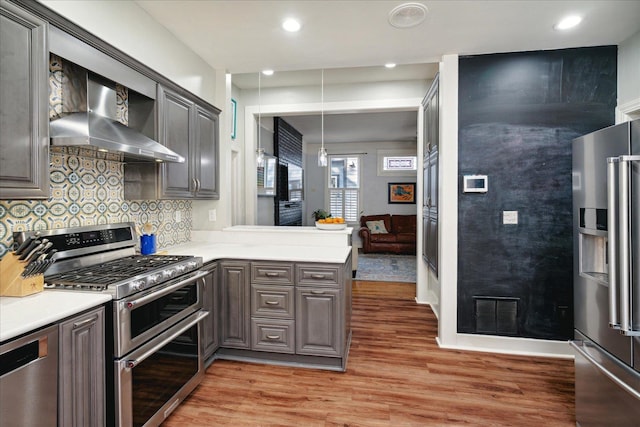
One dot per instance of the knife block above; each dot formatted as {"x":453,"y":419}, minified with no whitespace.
{"x":12,"y":284}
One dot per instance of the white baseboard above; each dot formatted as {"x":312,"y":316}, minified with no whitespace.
{"x":511,"y":345}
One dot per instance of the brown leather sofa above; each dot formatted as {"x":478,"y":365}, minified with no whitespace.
{"x":399,"y":239}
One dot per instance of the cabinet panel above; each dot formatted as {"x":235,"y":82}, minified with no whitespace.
{"x":318,"y":322}
{"x":272,"y":273}
{"x":82,"y":371}
{"x":210,"y":325}
{"x":430,"y":176}
{"x":273,"y":335}
{"x":272,"y":301}
{"x":316,"y":275}
{"x":235,"y":300}
{"x":175,"y":132}
{"x":206,"y":154}
{"x":24,"y":120}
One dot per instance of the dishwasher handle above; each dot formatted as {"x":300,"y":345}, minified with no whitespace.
{"x":18,"y":357}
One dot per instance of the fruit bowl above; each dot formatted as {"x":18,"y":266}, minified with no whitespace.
{"x":325,"y":226}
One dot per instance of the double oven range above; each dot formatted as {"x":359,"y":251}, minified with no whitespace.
{"x":153,"y":328}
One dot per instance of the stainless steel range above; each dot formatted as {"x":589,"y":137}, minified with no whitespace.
{"x":153,"y":322}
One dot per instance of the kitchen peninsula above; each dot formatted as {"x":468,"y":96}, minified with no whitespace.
{"x":281,"y":295}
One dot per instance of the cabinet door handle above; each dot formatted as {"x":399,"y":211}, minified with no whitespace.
{"x":84,"y":322}
{"x":273,"y":337}
{"x":317,"y":276}
{"x":198,"y":185}
{"x":271,"y":274}
{"x":317,"y":292}
{"x":271,"y":302}
{"x":195,"y":184}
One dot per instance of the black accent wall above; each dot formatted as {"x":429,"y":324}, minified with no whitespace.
{"x":518,"y":113}
{"x":287,"y":146}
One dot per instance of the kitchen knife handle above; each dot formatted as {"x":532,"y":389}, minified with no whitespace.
{"x":22,"y":246}
{"x":29,"y":249}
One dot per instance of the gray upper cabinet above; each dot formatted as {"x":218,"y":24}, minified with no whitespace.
{"x":430,"y":173}
{"x":81,"y":399}
{"x":191,"y":130}
{"x":24,"y":121}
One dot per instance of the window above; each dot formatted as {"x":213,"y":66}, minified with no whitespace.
{"x":344,"y":187}
{"x":399,"y":162}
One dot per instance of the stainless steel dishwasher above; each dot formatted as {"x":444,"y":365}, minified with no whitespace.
{"x":29,"y":379}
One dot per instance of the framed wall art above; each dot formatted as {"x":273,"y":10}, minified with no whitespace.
{"x":402,"y":192}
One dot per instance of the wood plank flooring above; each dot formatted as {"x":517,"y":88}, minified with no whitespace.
{"x":396,"y":376}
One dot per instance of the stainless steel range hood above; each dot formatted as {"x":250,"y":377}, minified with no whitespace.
{"x":96,"y":127}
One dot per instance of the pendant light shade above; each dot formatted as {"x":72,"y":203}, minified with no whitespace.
{"x":322,"y":152}
{"x":259,"y":150}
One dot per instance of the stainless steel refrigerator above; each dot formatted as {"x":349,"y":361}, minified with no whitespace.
{"x":606,"y":243}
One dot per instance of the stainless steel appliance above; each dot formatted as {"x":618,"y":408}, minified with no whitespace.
{"x":606,"y":216}
{"x":29,"y":380}
{"x":154,"y":321}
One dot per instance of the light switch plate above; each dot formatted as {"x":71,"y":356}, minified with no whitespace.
{"x":212,"y":215}
{"x":509,"y":217}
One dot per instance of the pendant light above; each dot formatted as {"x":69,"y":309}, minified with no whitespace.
{"x":322,"y":152}
{"x":260,"y":150}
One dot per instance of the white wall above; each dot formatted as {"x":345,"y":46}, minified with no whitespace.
{"x":629,"y":78}
{"x":373,"y":187}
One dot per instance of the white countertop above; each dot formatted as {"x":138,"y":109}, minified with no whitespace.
{"x":214,"y":251}
{"x":23,"y":314}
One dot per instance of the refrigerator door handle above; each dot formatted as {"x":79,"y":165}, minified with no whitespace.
{"x":612,"y":249}
{"x":620,"y":269}
{"x":585,"y":353}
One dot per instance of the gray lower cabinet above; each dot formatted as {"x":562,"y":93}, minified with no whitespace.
{"x":81,"y":400}
{"x":272,"y":307}
{"x":286,"y":312}
{"x":235,"y":304}
{"x":319,"y":315}
{"x":211,"y":336}
{"x":24,"y":93}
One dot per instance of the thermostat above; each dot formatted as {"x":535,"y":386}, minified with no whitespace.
{"x":475,"y":184}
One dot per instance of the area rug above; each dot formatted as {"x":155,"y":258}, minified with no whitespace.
{"x":386,"y":268}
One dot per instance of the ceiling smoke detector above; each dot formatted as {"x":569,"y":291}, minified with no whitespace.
{"x":407,"y":15}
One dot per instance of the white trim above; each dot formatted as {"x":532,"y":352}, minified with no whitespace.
{"x":251,"y":111}
{"x":628,"y":111}
{"x":511,"y":345}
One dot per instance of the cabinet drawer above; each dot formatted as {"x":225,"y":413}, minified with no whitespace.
{"x":273,"y":335}
{"x":272,"y":273}
{"x":272,"y":301}
{"x":321,"y":275}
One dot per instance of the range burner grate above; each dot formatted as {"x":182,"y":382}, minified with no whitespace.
{"x":115,"y":271}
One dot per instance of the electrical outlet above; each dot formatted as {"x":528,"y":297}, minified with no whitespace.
{"x":509,"y":217}
{"x":178,"y":216}
{"x":212,"y":215}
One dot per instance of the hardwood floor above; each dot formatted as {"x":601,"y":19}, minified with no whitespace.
{"x":396,"y":376}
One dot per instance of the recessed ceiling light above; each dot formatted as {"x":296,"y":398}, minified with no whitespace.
{"x":390,"y":65}
{"x":568,"y":22}
{"x":267,"y":72}
{"x":291,"y":25}
{"x":407,"y":15}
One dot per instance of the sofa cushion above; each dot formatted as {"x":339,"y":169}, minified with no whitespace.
{"x":406,"y":237}
{"x":383,"y":238}
{"x":404,"y":224}
{"x":385,"y":217}
{"x":377,"y":227}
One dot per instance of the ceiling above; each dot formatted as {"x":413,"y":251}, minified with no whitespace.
{"x":353,"y":39}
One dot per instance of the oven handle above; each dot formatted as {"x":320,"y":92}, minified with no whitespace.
{"x":130,"y":364}
{"x":162,"y":292}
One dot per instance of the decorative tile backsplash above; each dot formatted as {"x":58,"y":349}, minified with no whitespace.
{"x":88,"y":191}
{"x":87,"y":188}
